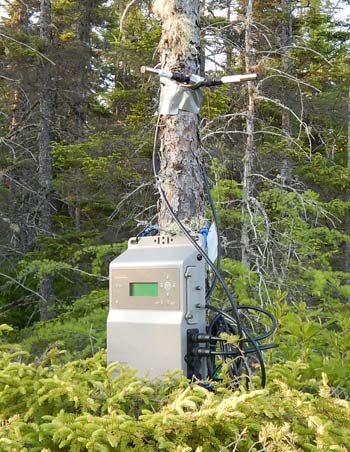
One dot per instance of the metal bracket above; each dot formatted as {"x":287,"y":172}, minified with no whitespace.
{"x":175,"y":97}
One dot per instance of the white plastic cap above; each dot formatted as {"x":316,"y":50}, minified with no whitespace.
{"x":238,"y":78}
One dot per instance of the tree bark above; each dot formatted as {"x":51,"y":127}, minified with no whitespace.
{"x":19,"y":20}
{"x":348,"y":143}
{"x":228,"y":46}
{"x":287,"y":125}
{"x":83,"y":68}
{"x":347,"y":220}
{"x":84,"y":65}
{"x":250,"y":148}
{"x":46,"y":290}
{"x":180,"y":148}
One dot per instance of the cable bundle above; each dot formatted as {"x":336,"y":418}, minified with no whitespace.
{"x":229,"y":321}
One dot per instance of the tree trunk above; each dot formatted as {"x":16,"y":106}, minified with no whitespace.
{"x":19,"y":20}
{"x":84,"y":65}
{"x":83,"y":68}
{"x":250,"y":149}
{"x":46,"y":309}
{"x":348,"y":144}
{"x":228,"y":46}
{"x":347,"y":220}
{"x":287,"y":125}
{"x":180,"y":148}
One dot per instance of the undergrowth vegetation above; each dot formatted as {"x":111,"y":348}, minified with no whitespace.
{"x":56,"y":393}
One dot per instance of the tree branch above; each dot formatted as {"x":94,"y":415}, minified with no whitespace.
{"x":23,"y":286}
{"x":125,"y":12}
{"x":28,"y":46}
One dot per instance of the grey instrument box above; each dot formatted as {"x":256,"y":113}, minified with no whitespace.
{"x":157,"y":294}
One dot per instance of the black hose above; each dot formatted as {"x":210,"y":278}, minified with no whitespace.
{"x":219,"y":324}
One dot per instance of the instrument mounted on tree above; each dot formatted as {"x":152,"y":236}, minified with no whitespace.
{"x":181,"y":91}
{"x":196,"y":81}
{"x":161,"y":316}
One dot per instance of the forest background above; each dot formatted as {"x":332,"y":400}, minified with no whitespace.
{"x":77,"y":125}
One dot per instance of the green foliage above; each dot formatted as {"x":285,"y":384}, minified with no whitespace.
{"x":320,"y":337}
{"x":88,"y":170}
{"x":100,"y":255}
{"x":296,"y":241}
{"x":21,"y":47}
{"x":240,"y":279}
{"x":80,"y":330}
{"x":321,"y":170}
{"x":84,"y":406}
{"x":216,"y":102}
{"x":77,"y":268}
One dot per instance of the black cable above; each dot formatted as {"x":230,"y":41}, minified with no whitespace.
{"x":265,"y":312}
{"x":218,"y":275}
{"x":244,"y":335}
{"x":223,"y":283}
{"x":249,"y":337}
{"x":231,"y":353}
{"x":205,"y":256}
{"x":182,"y":227}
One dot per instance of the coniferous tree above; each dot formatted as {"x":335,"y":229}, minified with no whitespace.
{"x":180,"y":152}
{"x":45,"y":175}
{"x":18,"y":103}
{"x":347,"y":219}
{"x":248,"y":159}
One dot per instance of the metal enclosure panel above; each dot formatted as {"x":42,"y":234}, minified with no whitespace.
{"x":150,"y":332}
{"x":151,"y":342}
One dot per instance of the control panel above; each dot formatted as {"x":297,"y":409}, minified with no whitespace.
{"x":156,"y":288}
{"x":157,"y":294}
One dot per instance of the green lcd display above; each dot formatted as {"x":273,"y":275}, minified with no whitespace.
{"x":144,"y":289}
